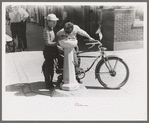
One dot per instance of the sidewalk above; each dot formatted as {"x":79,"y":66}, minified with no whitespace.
{"x":25,"y":96}
{"x":25,"y":68}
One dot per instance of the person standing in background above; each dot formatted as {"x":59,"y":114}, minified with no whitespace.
{"x":98,"y":33}
{"x":24,"y":30}
{"x":64,"y":18}
{"x":17,"y":17}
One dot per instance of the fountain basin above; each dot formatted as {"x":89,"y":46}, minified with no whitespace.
{"x":70,"y":43}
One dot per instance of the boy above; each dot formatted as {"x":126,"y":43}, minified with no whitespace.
{"x":50,"y":51}
{"x":70,"y":31}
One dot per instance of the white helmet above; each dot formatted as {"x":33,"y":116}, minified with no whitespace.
{"x":52,"y":17}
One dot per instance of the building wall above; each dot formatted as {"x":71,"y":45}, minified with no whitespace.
{"x":117,"y":25}
{"x":107,"y":28}
{"x":123,"y":25}
{"x":126,"y":36}
{"x":119,"y":31}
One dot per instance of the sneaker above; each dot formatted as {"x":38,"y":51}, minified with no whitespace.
{"x":79,"y":81}
{"x":59,"y":80}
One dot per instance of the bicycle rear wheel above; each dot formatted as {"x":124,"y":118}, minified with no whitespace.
{"x":112,"y":72}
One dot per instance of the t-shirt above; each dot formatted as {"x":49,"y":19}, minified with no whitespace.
{"x":76,"y":30}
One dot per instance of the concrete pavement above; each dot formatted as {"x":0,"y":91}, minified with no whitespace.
{"x":25,"y":68}
{"x":25,"y":96}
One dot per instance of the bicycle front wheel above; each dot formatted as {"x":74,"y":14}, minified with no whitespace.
{"x":112,"y":72}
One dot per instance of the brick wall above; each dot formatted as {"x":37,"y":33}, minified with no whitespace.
{"x":123,"y":27}
{"x":118,"y":30}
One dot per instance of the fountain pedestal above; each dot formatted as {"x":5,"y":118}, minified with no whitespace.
{"x":69,"y":77}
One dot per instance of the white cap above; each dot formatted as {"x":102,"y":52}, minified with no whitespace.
{"x":52,"y":17}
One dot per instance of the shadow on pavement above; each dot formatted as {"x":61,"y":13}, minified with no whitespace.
{"x":96,"y":87}
{"x":28,"y":89}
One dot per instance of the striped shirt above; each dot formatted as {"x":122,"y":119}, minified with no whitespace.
{"x":76,"y":30}
{"x":49,"y":36}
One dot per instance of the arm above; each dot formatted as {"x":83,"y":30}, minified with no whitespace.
{"x":83,"y":33}
{"x":25,"y":14}
{"x":49,"y":38}
{"x":10,"y":17}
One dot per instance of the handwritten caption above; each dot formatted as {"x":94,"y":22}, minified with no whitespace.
{"x":77,"y":104}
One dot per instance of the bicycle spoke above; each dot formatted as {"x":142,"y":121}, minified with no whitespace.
{"x":110,"y":67}
{"x":103,"y":73}
{"x":115,"y":64}
{"x":107,"y":66}
{"x":112,"y":81}
{"x":112,"y":73}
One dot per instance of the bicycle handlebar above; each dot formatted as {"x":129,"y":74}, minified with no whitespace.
{"x":97,"y":42}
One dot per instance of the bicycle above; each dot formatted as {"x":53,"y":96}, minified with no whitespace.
{"x":111,"y":71}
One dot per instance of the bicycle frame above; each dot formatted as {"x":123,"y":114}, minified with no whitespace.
{"x":96,"y":58}
{"x":102,"y":55}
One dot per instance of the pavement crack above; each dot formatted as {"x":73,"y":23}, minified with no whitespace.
{"x":20,"y":71}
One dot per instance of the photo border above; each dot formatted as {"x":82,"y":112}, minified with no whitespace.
{"x":69,"y":1}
